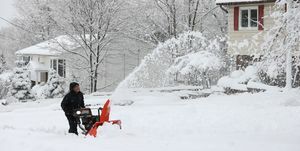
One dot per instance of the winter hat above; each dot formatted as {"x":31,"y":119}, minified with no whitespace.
{"x":72,"y":85}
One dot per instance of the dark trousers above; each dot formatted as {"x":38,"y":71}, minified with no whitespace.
{"x":72,"y":124}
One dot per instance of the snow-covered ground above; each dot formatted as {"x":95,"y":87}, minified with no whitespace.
{"x":162,"y":122}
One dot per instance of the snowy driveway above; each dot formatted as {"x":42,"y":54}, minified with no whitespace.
{"x":161,"y":122}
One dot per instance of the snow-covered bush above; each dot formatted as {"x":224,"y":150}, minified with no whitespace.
{"x":3,"y":65}
{"x":54,"y":88}
{"x":158,"y":68}
{"x":197,"y":68}
{"x":272,"y":72}
{"x":244,"y":81}
{"x":20,"y":88}
{"x":39,"y":91}
{"x":55,"y":85}
{"x":239,"y":79}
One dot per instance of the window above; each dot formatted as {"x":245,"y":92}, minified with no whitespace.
{"x":26,"y":59}
{"x":53,"y":64}
{"x":61,"y":68}
{"x":249,"y":18}
{"x":253,"y":19}
{"x":244,"y":19}
{"x":59,"y":65}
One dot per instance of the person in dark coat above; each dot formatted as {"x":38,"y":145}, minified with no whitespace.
{"x":71,"y":102}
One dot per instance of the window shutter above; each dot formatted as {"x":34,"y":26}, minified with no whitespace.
{"x":285,"y":7}
{"x":236,"y":18}
{"x":261,"y":17}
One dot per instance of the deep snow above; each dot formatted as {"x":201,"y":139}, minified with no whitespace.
{"x":162,"y":122}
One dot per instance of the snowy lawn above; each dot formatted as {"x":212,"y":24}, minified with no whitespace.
{"x":162,"y":122}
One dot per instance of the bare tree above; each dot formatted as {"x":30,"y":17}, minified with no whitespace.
{"x":155,"y":21}
{"x":193,"y":8}
{"x":93,"y":24}
{"x":35,"y":18}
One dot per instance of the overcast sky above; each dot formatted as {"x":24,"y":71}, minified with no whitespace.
{"x":7,"y":11}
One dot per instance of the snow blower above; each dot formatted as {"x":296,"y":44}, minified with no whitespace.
{"x":89,"y":123}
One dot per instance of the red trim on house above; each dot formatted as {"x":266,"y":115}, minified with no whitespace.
{"x":261,"y":17}
{"x":246,"y":2}
{"x":236,"y":18}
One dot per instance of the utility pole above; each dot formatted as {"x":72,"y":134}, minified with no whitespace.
{"x":124,"y":65}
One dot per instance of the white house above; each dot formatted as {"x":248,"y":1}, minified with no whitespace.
{"x":248,"y":21}
{"x":119,"y":61}
{"x":44,"y":56}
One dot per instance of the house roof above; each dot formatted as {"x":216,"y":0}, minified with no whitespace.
{"x":52,"y":47}
{"x":234,"y":2}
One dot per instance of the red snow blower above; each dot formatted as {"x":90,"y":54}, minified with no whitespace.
{"x":89,"y":123}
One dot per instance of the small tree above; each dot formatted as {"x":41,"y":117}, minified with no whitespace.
{"x":20,"y":83}
{"x":55,"y":85}
{"x":281,"y":44}
{"x":3,"y":65}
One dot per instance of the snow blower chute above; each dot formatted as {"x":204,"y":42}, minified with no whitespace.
{"x":89,"y":123}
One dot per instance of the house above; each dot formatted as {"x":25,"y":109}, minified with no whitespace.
{"x":248,"y":21}
{"x":47,"y":55}
{"x":123,"y":55}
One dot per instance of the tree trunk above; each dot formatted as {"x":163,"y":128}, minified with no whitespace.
{"x":189,"y":13}
{"x":195,"y":15}
{"x":97,"y":64}
{"x":95,"y":81}
{"x":91,"y":73}
{"x":174,"y":20}
{"x":289,"y":55}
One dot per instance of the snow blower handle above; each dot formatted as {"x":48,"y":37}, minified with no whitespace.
{"x":99,"y":109}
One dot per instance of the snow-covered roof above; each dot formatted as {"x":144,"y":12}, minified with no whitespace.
{"x":51,"y":47}
{"x":241,"y":1}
